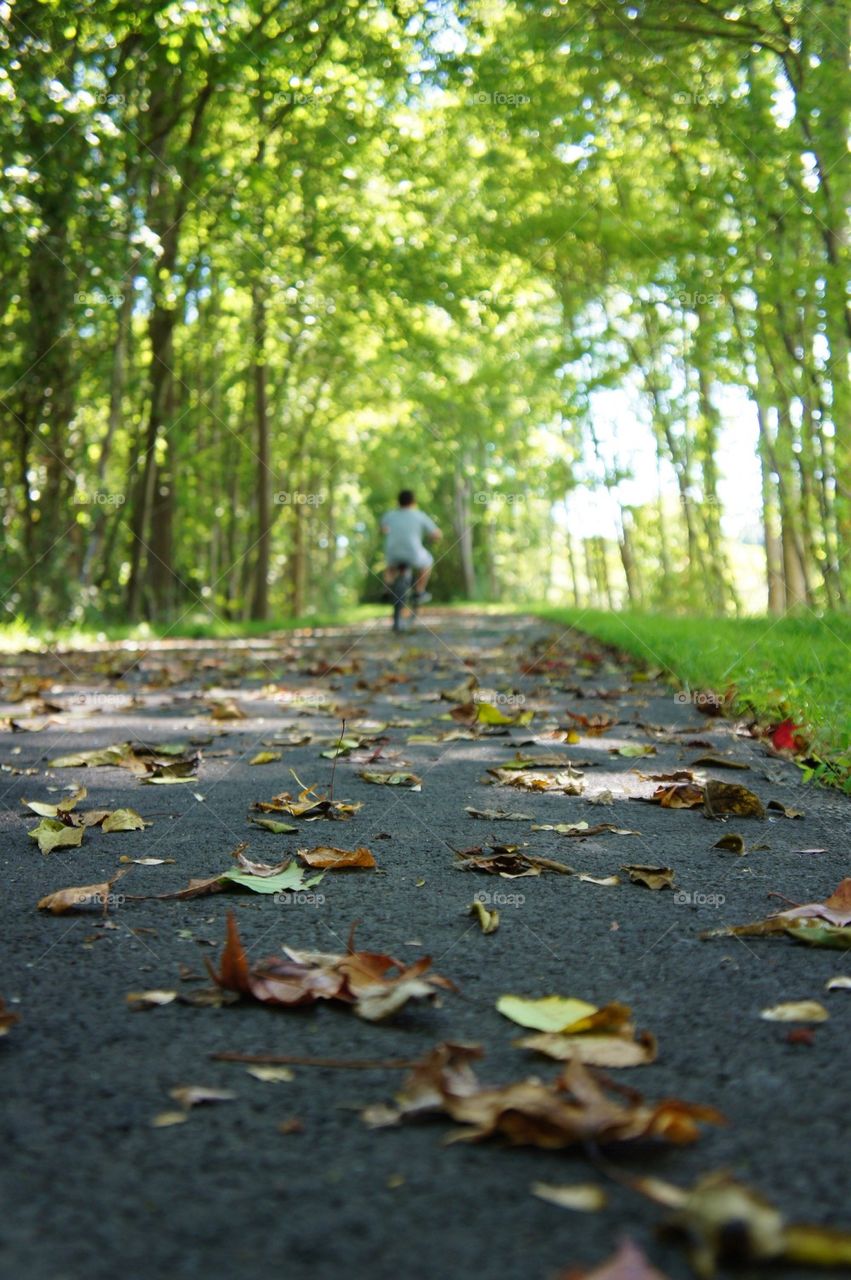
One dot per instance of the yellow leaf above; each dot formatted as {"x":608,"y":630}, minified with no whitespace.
{"x":551,"y":1013}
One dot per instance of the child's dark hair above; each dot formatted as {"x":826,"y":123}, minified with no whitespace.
{"x":406,"y":498}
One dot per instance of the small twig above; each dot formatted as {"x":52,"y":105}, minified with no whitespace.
{"x":294,"y":1060}
{"x":336,"y":757}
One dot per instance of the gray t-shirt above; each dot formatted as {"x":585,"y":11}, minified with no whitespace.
{"x":405,"y":528}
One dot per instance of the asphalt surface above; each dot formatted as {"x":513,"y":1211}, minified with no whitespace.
{"x":93,"y":1188}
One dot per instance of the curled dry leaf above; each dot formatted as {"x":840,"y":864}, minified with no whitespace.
{"x":796,"y":1011}
{"x":336,"y":859}
{"x":586,"y":1197}
{"x":651,"y":877}
{"x":376,"y":985}
{"x":392,"y":778}
{"x":608,"y":1049}
{"x":840,"y":983}
{"x":731,"y":843}
{"x":86,"y":895}
{"x":45,"y":810}
{"x":569,"y":783}
{"x":818,"y":923}
{"x":582,"y":830}
{"x":488,"y":920}
{"x":508,"y":861}
{"x":195,"y":1095}
{"x":777,"y":806}
{"x":499,"y":815}
{"x":141,"y":1000}
{"x":309,"y":805}
{"x":271,"y":1074}
{"x":721,"y":798}
{"x":680,"y":795}
{"x":573,"y":1108}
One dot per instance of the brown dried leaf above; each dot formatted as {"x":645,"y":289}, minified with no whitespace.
{"x":728,"y":797}
{"x":651,"y":877}
{"x":336,"y":859}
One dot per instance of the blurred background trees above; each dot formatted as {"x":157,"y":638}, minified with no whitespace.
{"x":575,"y":272}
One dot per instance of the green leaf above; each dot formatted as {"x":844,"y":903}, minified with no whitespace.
{"x":52,"y":834}
{"x":292,"y":877}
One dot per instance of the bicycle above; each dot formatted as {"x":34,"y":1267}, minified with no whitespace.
{"x":403,"y":596}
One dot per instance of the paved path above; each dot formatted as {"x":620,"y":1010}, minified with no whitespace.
{"x":93,"y":1189}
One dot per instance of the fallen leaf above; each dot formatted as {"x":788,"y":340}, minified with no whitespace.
{"x":719,"y":762}
{"x":52,"y":834}
{"x":86,"y":895}
{"x":363,"y":979}
{"x":587,"y":1197}
{"x":840,"y":983}
{"x":271,"y":1075}
{"x":194,"y":1095}
{"x":266,"y":757}
{"x":728,"y":797}
{"x":309,"y":805}
{"x":486,"y":713}
{"x":562,"y":1014}
{"x":569,"y":783}
{"x":146,"y":862}
{"x":165,"y":1119}
{"x":604,"y":1049}
{"x":392,"y":778}
{"x":685,"y":795}
{"x":488,"y":920}
{"x":124,"y":820}
{"x":326,"y":856}
{"x":277,"y":828}
{"x":651,"y":877}
{"x":796,"y":1011}
{"x":777,"y":806}
{"x":605,"y":882}
{"x":499,"y":815}
{"x":141,"y":1000}
{"x":572,"y":1109}
{"x":226,"y":709}
{"x":634,"y":750}
{"x":62,"y":806}
{"x":732,"y":843}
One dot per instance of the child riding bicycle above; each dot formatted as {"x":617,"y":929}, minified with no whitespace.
{"x":404,"y":530}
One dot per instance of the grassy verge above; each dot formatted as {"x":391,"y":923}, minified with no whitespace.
{"x":793,"y":667}
{"x":19,"y":635}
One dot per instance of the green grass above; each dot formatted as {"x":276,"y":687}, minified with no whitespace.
{"x":796,"y":666}
{"x":23,"y":634}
